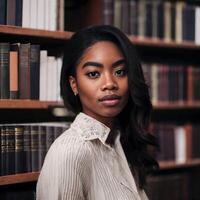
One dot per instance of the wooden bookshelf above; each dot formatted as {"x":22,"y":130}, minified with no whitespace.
{"x":156,"y":42}
{"x":27,"y":104}
{"x":19,"y":178}
{"x":166,"y":165}
{"x":177,"y":106}
{"x":16,"y":30}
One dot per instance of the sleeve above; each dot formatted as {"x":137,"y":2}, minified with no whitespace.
{"x":65,"y":172}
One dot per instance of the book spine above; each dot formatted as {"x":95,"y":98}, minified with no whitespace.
{"x":4,"y":70}
{"x":34,"y":148}
{"x":42,"y":145}
{"x":18,"y":13}
{"x":108,"y":12}
{"x":34,"y":71}
{"x":27,"y":148}
{"x":3,"y":12}
{"x":11,"y":10}
{"x":3,"y":150}
{"x":24,"y":71}
{"x":133,"y":17}
{"x":26,"y":13}
{"x":14,"y":88}
{"x":19,"y":149}
{"x":10,"y":150}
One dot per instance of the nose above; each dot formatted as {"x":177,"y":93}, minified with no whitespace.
{"x":109,"y":83}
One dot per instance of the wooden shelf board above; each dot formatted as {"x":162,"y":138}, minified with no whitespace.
{"x":19,"y":178}
{"x":155,"y":42}
{"x":15,"y":30}
{"x":165,"y":165}
{"x":176,"y":106}
{"x":27,"y":104}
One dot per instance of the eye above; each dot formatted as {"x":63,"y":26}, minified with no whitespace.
{"x":120,"y":72}
{"x":93,"y":74}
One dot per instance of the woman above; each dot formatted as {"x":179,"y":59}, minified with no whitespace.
{"x":103,"y":155}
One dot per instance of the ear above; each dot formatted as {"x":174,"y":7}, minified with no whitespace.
{"x":73,"y":85}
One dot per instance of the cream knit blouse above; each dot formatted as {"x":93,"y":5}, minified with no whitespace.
{"x":80,"y":165}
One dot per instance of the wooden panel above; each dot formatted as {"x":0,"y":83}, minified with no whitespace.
{"x":19,"y":178}
{"x":27,"y":104}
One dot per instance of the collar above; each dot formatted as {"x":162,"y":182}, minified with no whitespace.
{"x":90,"y":128}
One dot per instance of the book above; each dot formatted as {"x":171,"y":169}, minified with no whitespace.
{"x":42,"y":145}
{"x":27,"y":148}
{"x":34,"y":148}
{"x":4,"y":70}
{"x":3,"y":150}
{"x":19,"y":149}
{"x":24,"y":71}
{"x":197,"y":25}
{"x":188,"y":26}
{"x":34,"y":71}
{"x":11,"y":10}
{"x":3,"y":12}
{"x":133,"y":17}
{"x":33,"y":13}
{"x":10,"y":149}
{"x":108,"y":12}
{"x":26,"y":10}
{"x":18,"y":13}
{"x":13,"y":68}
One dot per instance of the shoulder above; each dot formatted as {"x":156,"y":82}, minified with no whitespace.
{"x":69,"y":148}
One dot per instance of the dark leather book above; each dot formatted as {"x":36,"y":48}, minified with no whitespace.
{"x":108,"y":12}
{"x":149,"y":19}
{"x":10,"y":150}
{"x":196,"y":83}
{"x":125,"y":16}
{"x":3,"y":150}
{"x":27,"y":148}
{"x":24,"y":71}
{"x":34,"y":148}
{"x":173,"y":21}
{"x":13,"y":67}
{"x":4,"y":70}
{"x":19,"y":149}
{"x":3,"y":12}
{"x":160,"y":19}
{"x":18,"y":13}
{"x":188,"y":23}
{"x":42,"y":145}
{"x":133,"y":17}
{"x":195,"y":141}
{"x":11,"y":12}
{"x":34,"y":71}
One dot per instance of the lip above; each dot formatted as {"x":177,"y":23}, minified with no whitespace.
{"x":110,"y":100}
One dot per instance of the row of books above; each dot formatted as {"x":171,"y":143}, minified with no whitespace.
{"x":172,"y":83}
{"x":166,"y":20}
{"x":39,"y":14}
{"x":178,"y":143}
{"x":26,"y":72}
{"x":24,"y":146}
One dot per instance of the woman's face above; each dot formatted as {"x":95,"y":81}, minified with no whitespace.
{"x":101,"y":81}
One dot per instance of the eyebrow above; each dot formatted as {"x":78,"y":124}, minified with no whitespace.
{"x":96,"y":64}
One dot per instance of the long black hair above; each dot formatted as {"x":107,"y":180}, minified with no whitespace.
{"x":135,"y":117}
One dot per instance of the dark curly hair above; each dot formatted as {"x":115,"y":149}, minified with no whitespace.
{"x":135,"y":117}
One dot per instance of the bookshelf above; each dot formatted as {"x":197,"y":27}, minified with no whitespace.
{"x":19,"y":178}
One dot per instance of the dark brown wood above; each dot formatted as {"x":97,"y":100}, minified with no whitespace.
{"x":165,"y":165}
{"x":19,"y":178}
{"x":177,"y":106}
{"x":15,"y":30}
{"x":27,"y":104}
{"x":162,"y":43}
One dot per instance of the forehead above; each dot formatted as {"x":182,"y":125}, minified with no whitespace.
{"x":102,"y":49}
